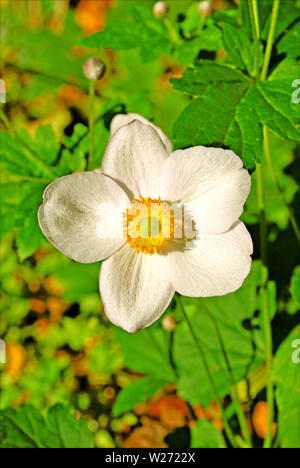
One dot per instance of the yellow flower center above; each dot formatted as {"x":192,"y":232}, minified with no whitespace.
{"x":149,"y":224}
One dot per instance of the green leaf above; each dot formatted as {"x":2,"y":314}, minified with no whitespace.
{"x":235,"y":315}
{"x":136,"y":392}
{"x":205,"y":72}
{"x":276,"y":109}
{"x":245,"y":132}
{"x":290,"y":43}
{"x":287,"y":69}
{"x":238,"y":47}
{"x":267,"y":103}
{"x":72,"y":433}
{"x":17,"y":158}
{"x":45,"y":143}
{"x":147,"y":352}
{"x":19,"y":206}
{"x":29,"y":238}
{"x":206,"y":435}
{"x":287,"y":380}
{"x":295,"y":285}
{"x":24,"y":427}
{"x":206,"y":120}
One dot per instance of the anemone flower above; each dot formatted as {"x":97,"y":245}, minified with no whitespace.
{"x":108,"y":215}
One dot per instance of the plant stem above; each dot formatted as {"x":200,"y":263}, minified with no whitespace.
{"x":91,"y":124}
{"x":262,"y":219}
{"x":256,"y":18}
{"x":270,"y":40}
{"x":269,"y":360}
{"x":172,"y":31}
{"x":227,"y":428}
{"x":260,"y":199}
{"x":255,"y":31}
{"x":276,"y":182}
{"x":34,"y":157}
{"x":233,"y":391}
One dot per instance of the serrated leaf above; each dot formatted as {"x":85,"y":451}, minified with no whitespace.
{"x":238,"y":47}
{"x":136,"y":392}
{"x":72,"y":433}
{"x":206,"y":120}
{"x":276,"y":109}
{"x":287,"y":380}
{"x":24,"y":427}
{"x":267,"y":103}
{"x":206,"y":435}
{"x":206,"y":72}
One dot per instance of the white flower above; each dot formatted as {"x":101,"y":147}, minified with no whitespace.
{"x":85,"y":216}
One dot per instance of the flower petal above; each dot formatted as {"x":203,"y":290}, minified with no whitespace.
{"x":81,"y":216}
{"x":217,"y":265}
{"x":124,"y":119}
{"x":134,"y":157}
{"x":212,"y":184}
{"x":134,"y":289}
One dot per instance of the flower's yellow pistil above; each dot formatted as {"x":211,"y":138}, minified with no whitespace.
{"x":149,"y":224}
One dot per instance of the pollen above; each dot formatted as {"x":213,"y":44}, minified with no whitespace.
{"x":148,"y":224}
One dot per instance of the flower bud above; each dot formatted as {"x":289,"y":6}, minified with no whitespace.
{"x":160,"y":9}
{"x":205,"y":8}
{"x":94,"y":68}
{"x":169,"y":323}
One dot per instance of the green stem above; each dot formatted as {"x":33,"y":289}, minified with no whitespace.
{"x":172,"y":31}
{"x":255,"y":31}
{"x":261,"y":207}
{"x":227,"y":428}
{"x":270,"y":40}
{"x":91,"y":124}
{"x":260,"y":199}
{"x":269,"y":360}
{"x":34,"y":157}
{"x":277,"y":184}
{"x":233,"y":391}
{"x":256,"y":17}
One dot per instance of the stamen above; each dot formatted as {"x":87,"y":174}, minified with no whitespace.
{"x":149,"y":224}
